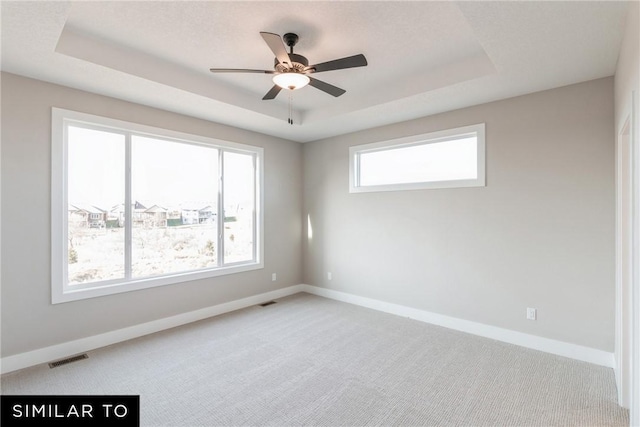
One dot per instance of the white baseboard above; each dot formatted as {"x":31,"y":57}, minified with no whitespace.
{"x":47,"y":354}
{"x":573,"y":351}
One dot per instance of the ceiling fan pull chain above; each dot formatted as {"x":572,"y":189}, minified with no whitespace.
{"x":290,"y":121}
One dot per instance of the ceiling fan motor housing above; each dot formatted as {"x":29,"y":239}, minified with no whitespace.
{"x":299,"y":63}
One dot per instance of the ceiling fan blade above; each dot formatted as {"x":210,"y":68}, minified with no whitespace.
{"x":339,"y":64}
{"x":275,"y":90}
{"x":239,"y":70}
{"x":326,"y":87}
{"x":276,"y":45}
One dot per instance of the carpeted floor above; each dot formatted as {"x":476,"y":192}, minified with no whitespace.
{"x":308,"y":360}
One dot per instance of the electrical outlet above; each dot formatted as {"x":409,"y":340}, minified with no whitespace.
{"x":329,"y":276}
{"x":274,"y":277}
{"x":532,"y":313}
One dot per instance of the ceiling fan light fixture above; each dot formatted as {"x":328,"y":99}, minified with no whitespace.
{"x":291,"y":80}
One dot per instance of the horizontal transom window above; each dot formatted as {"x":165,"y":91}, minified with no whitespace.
{"x":445,"y":159}
{"x":135,"y":207}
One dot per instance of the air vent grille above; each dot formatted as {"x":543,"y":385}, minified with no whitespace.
{"x":67,"y":360}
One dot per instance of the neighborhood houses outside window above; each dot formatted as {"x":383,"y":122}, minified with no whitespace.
{"x":137,"y":207}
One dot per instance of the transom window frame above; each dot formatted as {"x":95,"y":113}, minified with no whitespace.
{"x":61,"y":291}
{"x":477,"y":130}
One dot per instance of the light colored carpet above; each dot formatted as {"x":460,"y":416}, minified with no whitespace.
{"x":308,"y":360}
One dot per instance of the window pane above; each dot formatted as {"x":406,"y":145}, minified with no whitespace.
{"x":441,"y":161}
{"x":95,"y":176}
{"x":239,"y":207}
{"x":174,"y":207}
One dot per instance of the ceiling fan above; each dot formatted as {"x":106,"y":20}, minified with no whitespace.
{"x":292,"y":71}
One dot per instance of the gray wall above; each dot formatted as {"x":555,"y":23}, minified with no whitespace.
{"x":540,"y":234}
{"x":29,"y":321}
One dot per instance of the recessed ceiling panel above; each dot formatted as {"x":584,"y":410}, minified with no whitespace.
{"x":423,"y":57}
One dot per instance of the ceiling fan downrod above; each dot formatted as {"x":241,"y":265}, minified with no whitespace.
{"x":290,"y":39}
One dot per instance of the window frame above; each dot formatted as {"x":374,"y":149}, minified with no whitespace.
{"x":415,"y":140}
{"x":61,"y":291}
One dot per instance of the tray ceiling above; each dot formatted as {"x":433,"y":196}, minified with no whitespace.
{"x":424,"y":57}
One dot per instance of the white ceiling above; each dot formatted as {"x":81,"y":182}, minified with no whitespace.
{"x":424,"y":57}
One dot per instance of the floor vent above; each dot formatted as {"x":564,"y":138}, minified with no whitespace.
{"x":264,"y":304}
{"x":68,"y":360}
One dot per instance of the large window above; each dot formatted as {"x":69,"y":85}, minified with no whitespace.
{"x":451,"y":158}
{"x":135,"y":207}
